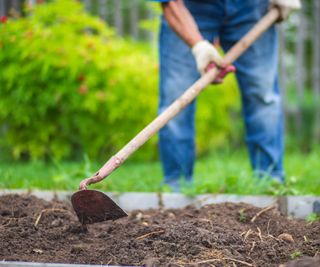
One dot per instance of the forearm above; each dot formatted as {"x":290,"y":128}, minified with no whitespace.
{"x":182,"y":22}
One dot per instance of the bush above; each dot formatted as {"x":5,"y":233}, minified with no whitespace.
{"x":70,"y":86}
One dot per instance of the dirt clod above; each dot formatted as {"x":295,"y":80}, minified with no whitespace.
{"x":32,"y":229}
{"x":286,"y":237}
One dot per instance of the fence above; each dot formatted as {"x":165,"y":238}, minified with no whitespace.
{"x":124,"y":15}
{"x":299,"y":53}
{"x":300,"y":70}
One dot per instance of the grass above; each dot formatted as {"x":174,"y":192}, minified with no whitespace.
{"x":295,"y":255}
{"x":221,"y":172}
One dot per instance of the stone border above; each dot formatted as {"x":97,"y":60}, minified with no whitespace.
{"x":35,"y":264}
{"x":295,"y":206}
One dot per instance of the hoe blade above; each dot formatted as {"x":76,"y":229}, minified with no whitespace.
{"x":93,"y":206}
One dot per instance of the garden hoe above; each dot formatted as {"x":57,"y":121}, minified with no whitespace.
{"x":93,"y":206}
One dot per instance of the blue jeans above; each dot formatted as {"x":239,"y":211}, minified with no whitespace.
{"x":257,"y":77}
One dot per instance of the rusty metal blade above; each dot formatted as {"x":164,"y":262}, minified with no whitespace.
{"x":93,"y":206}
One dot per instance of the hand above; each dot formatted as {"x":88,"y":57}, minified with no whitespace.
{"x":285,"y":7}
{"x":205,"y":53}
{"x":223,"y":72}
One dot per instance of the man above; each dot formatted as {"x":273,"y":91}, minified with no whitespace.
{"x":188,"y":29}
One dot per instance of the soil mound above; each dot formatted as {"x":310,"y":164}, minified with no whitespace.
{"x":304,"y":262}
{"x":227,"y":234}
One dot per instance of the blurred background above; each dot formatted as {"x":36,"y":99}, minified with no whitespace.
{"x":78,"y":79}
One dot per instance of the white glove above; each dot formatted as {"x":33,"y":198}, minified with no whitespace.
{"x":204,"y":53}
{"x":285,"y":7}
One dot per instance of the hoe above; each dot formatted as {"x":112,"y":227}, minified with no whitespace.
{"x":93,"y":206}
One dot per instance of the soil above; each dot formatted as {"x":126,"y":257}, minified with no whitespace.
{"x":32,"y":229}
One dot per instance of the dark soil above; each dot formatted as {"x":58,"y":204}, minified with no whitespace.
{"x":215,"y":235}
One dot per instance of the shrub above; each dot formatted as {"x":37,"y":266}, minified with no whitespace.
{"x":70,"y":86}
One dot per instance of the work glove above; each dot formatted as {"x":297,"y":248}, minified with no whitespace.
{"x":205,"y":53}
{"x":285,"y":7}
{"x":208,"y":57}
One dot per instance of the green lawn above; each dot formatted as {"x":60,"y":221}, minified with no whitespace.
{"x":223,"y":172}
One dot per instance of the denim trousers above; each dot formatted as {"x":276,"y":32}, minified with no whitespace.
{"x":257,"y":77}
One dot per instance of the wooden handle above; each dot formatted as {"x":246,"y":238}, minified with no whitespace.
{"x":188,"y":96}
{"x":237,"y":50}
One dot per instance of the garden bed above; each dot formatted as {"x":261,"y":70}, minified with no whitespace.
{"x":226,"y":234}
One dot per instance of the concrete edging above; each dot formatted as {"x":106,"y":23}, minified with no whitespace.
{"x":295,"y":206}
{"x":36,"y":264}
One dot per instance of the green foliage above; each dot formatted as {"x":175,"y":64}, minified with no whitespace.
{"x":242,"y":216}
{"x":211,"y":175}
{"x":217,"y":119}
{"x":286,"y":188}
{"x":295,"y":255}
{"x":70,"y":86}
{"x":68,"y":82}
{"x":313,"y":217}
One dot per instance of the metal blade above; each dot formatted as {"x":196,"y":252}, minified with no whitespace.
{"x":93,"y":206}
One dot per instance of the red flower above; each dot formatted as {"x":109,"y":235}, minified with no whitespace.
{"x":3,"y":19}
{"x":81,"y":78}
{"x":83,"y":89}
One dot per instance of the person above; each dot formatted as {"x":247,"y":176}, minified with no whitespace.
{"x":188,"y":29}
